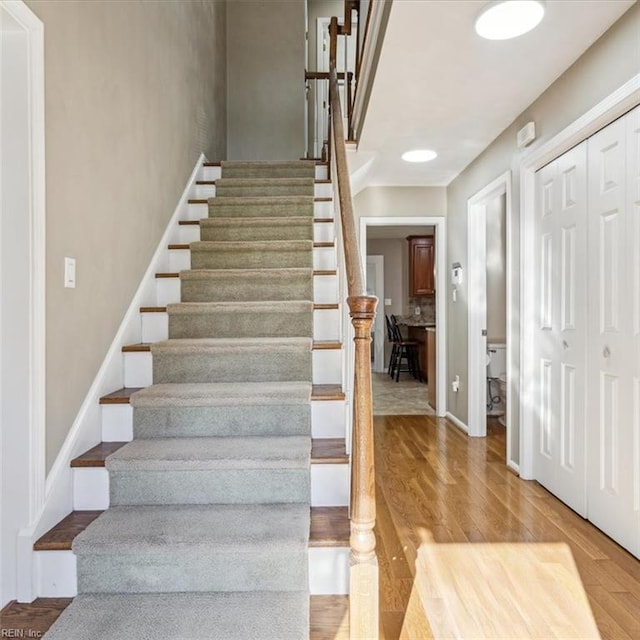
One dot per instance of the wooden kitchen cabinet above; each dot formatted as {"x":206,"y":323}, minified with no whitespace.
{"x":421,"y":266}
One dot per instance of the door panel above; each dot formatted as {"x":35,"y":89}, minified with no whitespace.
{"x":613,"y":371}
{"x":560,"y":458}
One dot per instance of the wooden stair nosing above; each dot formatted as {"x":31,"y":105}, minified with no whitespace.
{"x":316,"y":272}
{"x":206,"y":200}
{"x":321,"y":392}
{"x":184,"y":246}
{"x":329,"y":527}
{"x":318,"y":345}
{"x":323,"y":451}
{"x":316,"y":307}
{"x":210,"y":182}
{"x":196,"y":223}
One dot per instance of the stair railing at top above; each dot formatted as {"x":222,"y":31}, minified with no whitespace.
{"x":363,"y":607}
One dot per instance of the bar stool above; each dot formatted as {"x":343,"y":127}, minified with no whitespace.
{"x":403,"y":349}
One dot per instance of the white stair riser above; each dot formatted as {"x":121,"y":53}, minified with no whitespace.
{"x":328,"y":572}
{"x":138,"y":367}
{"x":215,"y":173}
{"x":188,"y":233}
{"x":324,"y":258}
{"x":324,"y":232}
{"x":57,"y":574}
{"x":325,"y":290}
{"x":210,"y":173}
{"x":205,"y":191}
{"x":323,"y":190}
{"x":326,"y":325}
{"x":328,"y":420}
{"x":329,"y":487}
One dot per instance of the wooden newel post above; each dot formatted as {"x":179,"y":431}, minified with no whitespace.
{"x":364,"y":563}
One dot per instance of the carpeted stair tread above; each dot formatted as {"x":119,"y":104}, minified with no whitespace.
{"x":251,"y":254}
{"x":238,"y":229}
{"x":186,"y":616}
{"x":222,"y":394}
{"x":262,"y":206}
{"x":229,"y":527}
{"x":183,"y":454}
{"x":240,"y":319}
{"x":208,"y":285}
{"x":264,"y":186}
{"x":290,"y":169}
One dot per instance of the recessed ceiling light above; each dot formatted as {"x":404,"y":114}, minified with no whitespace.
{"x":419,"y":155}
{"x":510,"y":19}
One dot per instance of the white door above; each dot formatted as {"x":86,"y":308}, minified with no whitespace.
{"x":561,"y":324}
{"x":613,"y":394}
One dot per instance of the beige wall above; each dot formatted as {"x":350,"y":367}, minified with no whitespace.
{"x":608,"y":64}
{"x":135,"y":91}
{"x":265,"y":79}
{"x":400,"y":201}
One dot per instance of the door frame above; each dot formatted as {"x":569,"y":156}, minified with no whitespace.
{"x":477,"y":312}
{"x":378,"y":364}
{"x":29,"y":480}
{"x":612,"y":107}
{"x":440,"y":224}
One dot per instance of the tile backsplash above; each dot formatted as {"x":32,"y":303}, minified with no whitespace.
{"x":427,"y":307}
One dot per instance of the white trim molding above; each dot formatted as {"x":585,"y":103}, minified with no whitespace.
{"x":34,"y":468}
{"x":440,"y":223}
{"x":477,"y":312}
{"x":461,"y":425}
{"x":612,"y":107}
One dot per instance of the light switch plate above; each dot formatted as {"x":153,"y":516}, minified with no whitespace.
{"x":387,"y":302}
{"x":70,"y":273}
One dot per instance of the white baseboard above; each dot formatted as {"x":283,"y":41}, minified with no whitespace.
{"x":86,"y":429}
{"x":457,"y":422}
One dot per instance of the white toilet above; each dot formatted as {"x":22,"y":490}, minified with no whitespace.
{"x":496,"y":379}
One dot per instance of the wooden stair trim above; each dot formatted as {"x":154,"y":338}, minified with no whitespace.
{"x":96,"y":456}
{"x":318,"y":345}
{"x":179,"y":247}
{"x":120,"y":396}
{"x":328,"y":528}
{"x":320,"y":392}
{"x":198,"y":201}
{"x":328,"y":451}
{"x":325,"y":245}
{"x":316,"y":272}
{"x":327,"y":392}
{"x":188,"y":223}
{"x":153,"y":309}
{"x":212,"y":164}
{"x":172,"y":274}
{"x":321,"y":220}
{"x":323,"y":199}
{"x":316,"y":307}
{"x":60,"y":537}
{"x":205,"y":182}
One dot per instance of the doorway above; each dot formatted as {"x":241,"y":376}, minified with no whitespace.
{"x":22,"y":293}
{"x":406,"y":226}
{"x":491,"y":204}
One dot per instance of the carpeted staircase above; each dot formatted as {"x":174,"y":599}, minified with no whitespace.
{"x":207,"y":531}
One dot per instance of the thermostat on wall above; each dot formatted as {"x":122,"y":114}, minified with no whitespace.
{"x":526,"y":135}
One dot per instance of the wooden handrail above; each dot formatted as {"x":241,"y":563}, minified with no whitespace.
{"x":363,"y":605}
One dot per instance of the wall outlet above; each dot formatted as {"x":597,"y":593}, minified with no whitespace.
{"x":387,"y":302}
{"x":455,"y":385}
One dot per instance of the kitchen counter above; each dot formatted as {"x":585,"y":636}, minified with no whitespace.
{"x":408,"y":321}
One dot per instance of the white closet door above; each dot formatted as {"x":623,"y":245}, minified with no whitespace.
{"x":560,"y":239}
{"x":613,"y":339}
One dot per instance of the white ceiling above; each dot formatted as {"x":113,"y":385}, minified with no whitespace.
{"x":440,"y":86}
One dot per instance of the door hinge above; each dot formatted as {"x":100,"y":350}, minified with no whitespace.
{"x":484,"y":333}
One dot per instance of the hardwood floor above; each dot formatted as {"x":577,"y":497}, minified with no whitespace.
{"x":433,"y":482}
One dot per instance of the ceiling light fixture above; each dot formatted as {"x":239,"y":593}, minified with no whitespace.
{"x":510,"y":19}
{"x":419,"y":155}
